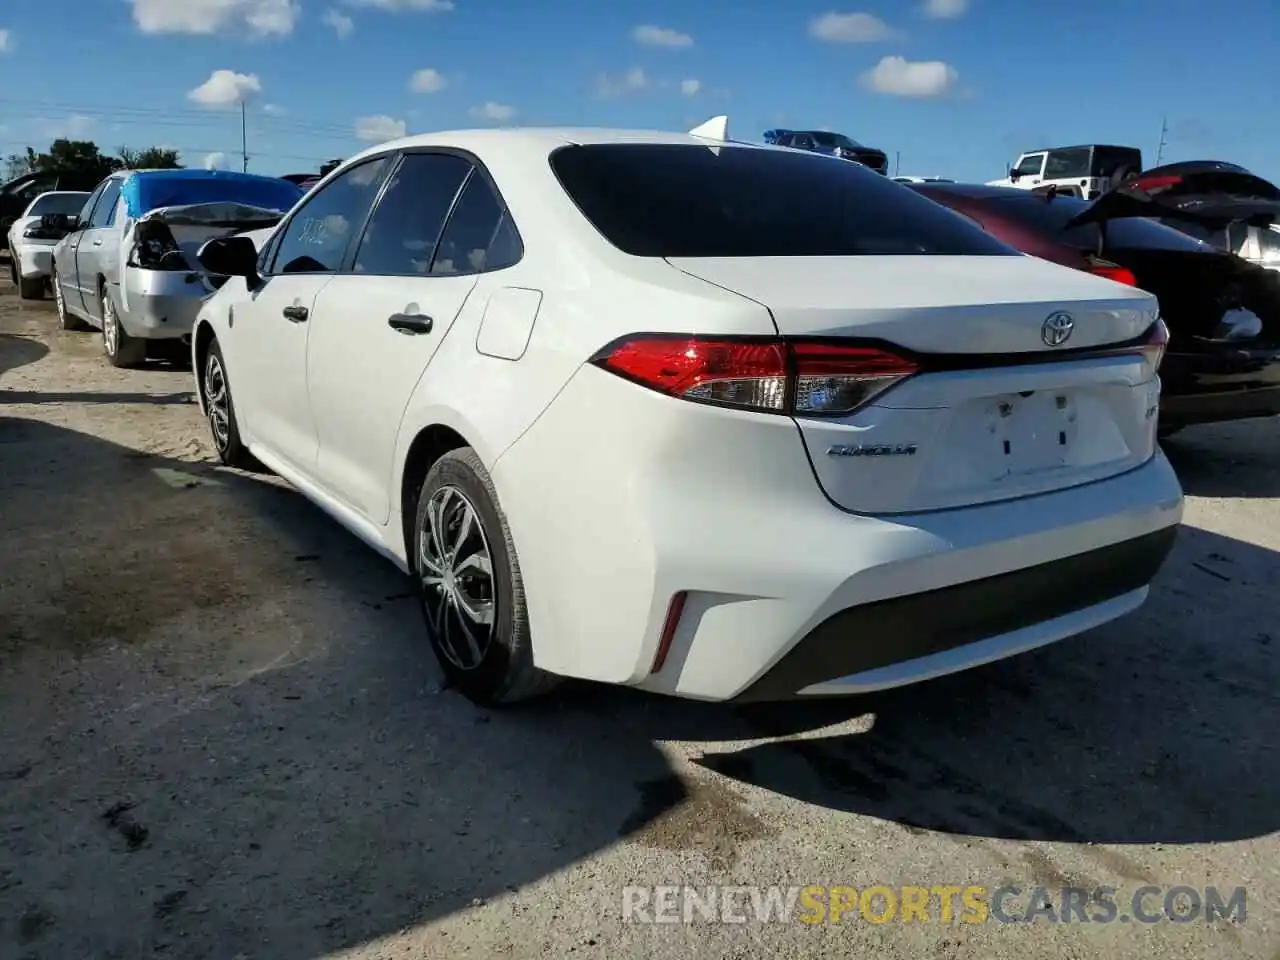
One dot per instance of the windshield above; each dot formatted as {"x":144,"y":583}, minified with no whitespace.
{"x":1129,"y":232}
{"x":68,"y":204}
{"x":676,"y":200}
{"x":826,"y":139}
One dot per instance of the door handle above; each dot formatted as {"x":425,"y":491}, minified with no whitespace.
{"x":410,"y":323}
{"x":97,"y":243}
{"x":296,"y":313}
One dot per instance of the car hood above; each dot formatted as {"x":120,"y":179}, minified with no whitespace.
{"x":1213,"y":198}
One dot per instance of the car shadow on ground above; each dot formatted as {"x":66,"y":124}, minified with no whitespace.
{"x":1230,"y":460}
{"x":1156,"y":729}
{"x":222,"y":733}
{"x":18,"y":351}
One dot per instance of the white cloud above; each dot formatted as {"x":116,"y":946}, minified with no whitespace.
{"x":431,"y":6}
{"x":342,"y":24}
{"x":899,"y":77}
{"x":945,"y":9}
{"x":225,"y":89}
{"x":651,"y":36}
{"x":272,"y":110}
{"x":380,"y":128}
{"x":262,"y":18}
{"x":849,"y":28}
{"x":633,"y":81}
{"x":493,"y":112}
{"x":427,"y":80}
{"x":690,"y":87}
{"x":216,"y":161}
{"x":75,"y":127}
{"x":6,"y":41}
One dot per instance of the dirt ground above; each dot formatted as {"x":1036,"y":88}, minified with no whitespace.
{"x":222,"y":735}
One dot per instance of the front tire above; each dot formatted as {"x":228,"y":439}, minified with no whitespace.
{"x":471,"y":590}
{"x":221,"y":412}
{"x":121,"y":349}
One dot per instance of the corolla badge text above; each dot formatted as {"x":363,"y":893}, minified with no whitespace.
{"x":873,"y":450}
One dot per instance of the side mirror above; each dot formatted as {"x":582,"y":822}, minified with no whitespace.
{"x":230,"y":257}
{"x":1014,"y":176}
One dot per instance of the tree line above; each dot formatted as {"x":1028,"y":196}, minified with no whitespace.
{"x":84,"y":156}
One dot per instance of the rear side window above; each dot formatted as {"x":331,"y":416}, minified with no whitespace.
{"x":1108,"y":160}
{"x":677,"y":200}
{"x":1067,"y":164}
{"x":402,"y":233}
{"x":1052,"y":216}
{"x":480,"y":235}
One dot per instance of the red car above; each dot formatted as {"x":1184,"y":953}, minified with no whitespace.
{"x":1223,"y":313}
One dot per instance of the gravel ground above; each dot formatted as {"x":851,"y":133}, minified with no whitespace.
{"x":222,"y":735}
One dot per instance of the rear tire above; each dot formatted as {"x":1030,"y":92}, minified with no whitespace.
{"x":65,"y":320}
{"x":472,"y":594}
{"x":121,"y":349}
{"x":220,"y":410}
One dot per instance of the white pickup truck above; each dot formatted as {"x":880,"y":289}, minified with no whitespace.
{"x":1085,"y":171}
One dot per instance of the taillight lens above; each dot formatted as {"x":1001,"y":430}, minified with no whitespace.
{"x":766,"y":375}
{"x":1157,"y":342}
{"x":154,"y":248}
{"x":1112,"y":271}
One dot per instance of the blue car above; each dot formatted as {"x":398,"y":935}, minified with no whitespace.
{"x":832,"y":144}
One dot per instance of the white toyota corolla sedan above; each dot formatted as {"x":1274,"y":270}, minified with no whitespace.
{"x":710,"y":419}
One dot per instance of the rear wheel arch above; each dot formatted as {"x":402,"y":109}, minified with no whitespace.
{"x":428,"y":446}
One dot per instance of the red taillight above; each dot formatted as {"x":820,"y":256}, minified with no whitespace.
{"x":768,"y":375}
{"x":1112,"y":271}
{"x":1151,"y":184}
{"x":669,"y":625}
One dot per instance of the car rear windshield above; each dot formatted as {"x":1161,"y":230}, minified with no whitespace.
{"x":1132,"y":233}
{"x":52,"y":204}
{"x":685,"y":200}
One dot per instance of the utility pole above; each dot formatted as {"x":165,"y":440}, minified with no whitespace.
{"x":1164,"y":131}
{"x":244,"y":137}
{"x":897,"y":162}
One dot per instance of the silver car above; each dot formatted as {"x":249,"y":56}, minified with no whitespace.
{"x":129,"y":266}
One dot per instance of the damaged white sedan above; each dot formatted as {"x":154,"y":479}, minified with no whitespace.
{"x":128,"y":267}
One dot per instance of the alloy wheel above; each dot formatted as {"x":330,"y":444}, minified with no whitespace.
{"x":456,"y":567}
{"x":217,"y":402}
{"x":110,"y":326}
{"x":58,"y":302}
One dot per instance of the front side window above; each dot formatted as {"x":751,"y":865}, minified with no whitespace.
{"x":1067,"y":164}
{"x":402,"y":233}
{"x":480,"y":235}
{"x":104,"y":214}
{"x":316,"y":238}
{"x":1030,"y":166}
{"x":87,"y":210}
{"x":677,"y":200}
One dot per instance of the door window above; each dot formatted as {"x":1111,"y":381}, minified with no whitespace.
{"x":401,"y":237}
{"x":1030,"y":165}
{"x":104,"y":214}
{"x":480,"y":235}
{"x":316,"y":238}
{"x":86,"y":212}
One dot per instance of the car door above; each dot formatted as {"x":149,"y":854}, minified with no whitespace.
{"x":267,"y":365}
{"x":92,"y":257}
{"x":439,"y":225}
{"x":68,"y":249}
{"x":1029,"y":170}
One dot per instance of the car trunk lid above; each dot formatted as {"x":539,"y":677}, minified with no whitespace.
{"x":993,"y":411}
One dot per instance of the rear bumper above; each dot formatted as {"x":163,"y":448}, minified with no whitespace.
{"x":1221,"y":383}
{"x":161,"y":305}
{"x":34,"y":261}
{"x":722,"y":507}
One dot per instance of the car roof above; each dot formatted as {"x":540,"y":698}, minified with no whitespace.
{"x":543,"y":140}
{"x":1086,"y":146}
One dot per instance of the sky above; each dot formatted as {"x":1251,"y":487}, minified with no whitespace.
{"x":951,"y":88}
